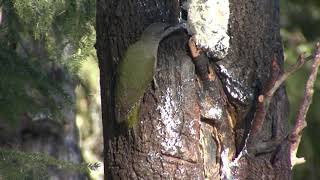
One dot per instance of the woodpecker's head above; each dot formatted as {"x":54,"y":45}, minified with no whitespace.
{"x":154,"y":31}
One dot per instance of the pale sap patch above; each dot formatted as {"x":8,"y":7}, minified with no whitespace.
{"x":208,"y":21}
{"x":226,"y":171}
{"x":170,"y":123}
{"x":234,"y":87}
{"x":215,"y":112}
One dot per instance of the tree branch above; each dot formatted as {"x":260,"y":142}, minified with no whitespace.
{"x":272,"y":86}
{"x":300,"y":122}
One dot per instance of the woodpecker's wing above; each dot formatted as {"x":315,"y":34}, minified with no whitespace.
{"x":136,"y":70}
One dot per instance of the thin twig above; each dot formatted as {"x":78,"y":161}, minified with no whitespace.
{"x":272,"y":86}
{"x":301,"y":122}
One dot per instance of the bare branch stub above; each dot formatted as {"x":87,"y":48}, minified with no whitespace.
{"x":300,"y":122}
{"x":275,"y":81}
{"x":264,"y":100}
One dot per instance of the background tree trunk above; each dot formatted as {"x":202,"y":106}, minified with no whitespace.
{"x":38,"y":132}
{"x":173,"y":139}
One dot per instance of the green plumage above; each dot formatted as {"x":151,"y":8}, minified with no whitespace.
{"x":136,"y":71}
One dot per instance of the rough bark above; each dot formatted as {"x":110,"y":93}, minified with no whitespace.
{"x":173,"y":138}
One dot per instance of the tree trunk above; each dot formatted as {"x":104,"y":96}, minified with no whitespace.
{"x":174,"y":137}
{"x":58,"y":138}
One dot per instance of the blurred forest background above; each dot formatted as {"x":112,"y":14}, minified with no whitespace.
{"x":300,"y":30}
{"x":49,"y":73}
